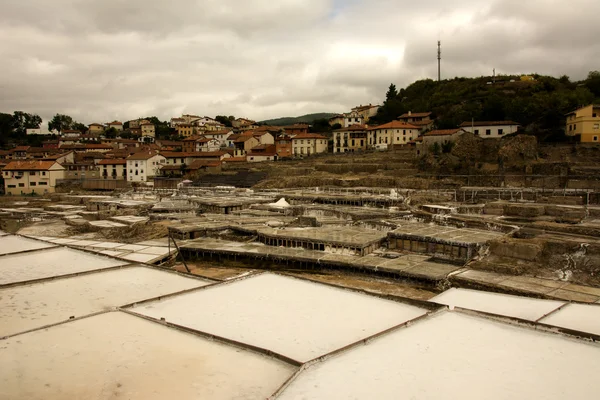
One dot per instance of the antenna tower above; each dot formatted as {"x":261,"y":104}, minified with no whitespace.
{"x":439,"y":58}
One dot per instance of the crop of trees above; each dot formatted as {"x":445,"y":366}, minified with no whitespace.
{"x":538,"y":105}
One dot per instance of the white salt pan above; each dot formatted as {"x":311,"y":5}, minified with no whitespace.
{"x":51,"y":262}
{"x":299,"y":319}
{"x":501,"y":304}
{"x":116,"y":355}
{"x":580,"y":317}
{"x":455,"y":356}
{"x":32,"y":306}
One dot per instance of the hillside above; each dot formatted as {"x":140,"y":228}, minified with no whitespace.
{"x":538,"y":105}
{"x":308,"y":119}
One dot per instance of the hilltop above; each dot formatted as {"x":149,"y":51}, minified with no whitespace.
{"x":307,"y":119}
{"x":538,"y":103}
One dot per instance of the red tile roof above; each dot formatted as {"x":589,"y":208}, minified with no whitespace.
{"x":308,"y":136}
{"x":30,"y":165}
{"x":394,"y":125}
{"x":444,"y":132}
{"x":415,"y":115}
{"x":355,"y":127}
{"x":142,"y":155}
{"x":487,"y":123}
{"x":115,"y":123}
{"x":98,"y":146}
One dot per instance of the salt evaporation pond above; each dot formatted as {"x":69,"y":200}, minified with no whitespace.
{"x":456,"y":356}
{"x":115,"y":355}
{"x":35,"y":305}
{"x":298,"y":319}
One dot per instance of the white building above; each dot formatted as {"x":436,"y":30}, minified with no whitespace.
{"x":39,"y":131}
{"x":144,"y":166}
{"x":353,"y":118}
{"x":221,"y":135}
{"x":490,"y":129}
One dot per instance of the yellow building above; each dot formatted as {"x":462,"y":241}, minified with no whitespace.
{"x":95,"y":128}
{"x":186,"y":130}
{"x":25,"y":177}
{"x":308,"y":143}
{"x":584,"y":122}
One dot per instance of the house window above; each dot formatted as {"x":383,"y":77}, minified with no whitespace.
{"x":44,"y":173}
{"x":500,"y":131}
{"x":21,"y":185}
{"x":12,"y":186}
{"x":32,"y":183}
{"x":488,"y":132}
{"x":595,"y":140}
{"x":596,"y":126}
{"x":42,"y":183}
{"x":31,"y":173}
{"x":476,"y":132}
{"x":594,"y":115}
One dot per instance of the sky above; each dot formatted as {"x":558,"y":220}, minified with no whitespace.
{"x":105,"y":60}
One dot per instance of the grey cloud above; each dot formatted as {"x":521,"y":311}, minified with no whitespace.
{"x":101,"y":60}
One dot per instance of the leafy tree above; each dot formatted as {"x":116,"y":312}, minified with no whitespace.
{"x":224,"y":120}
{"x":79,"y":126}
{"x":593,"y":83}
{"x":60,"y":122}
{"x":111,"y":133}
{"x":321,"y":126}
{"x":23,"y":121}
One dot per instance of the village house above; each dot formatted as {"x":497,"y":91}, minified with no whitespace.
{"x":148,"y":130}
{"x":352,"y":118}
{"x":366,"y":111}
{"x":70,"y":133}
{"x":337,"y":119}
{"x":115,"y":169}
{"x":422,"y":120}
{"x":221,"y":135}
{"x":200,"y":143}
{"x":82,"y":169}
{"x":118,"y":125}
{"x":263,"y":152}
{"x":584,"y":123}
{"x":25,"y":177}
{"x":50,"y":144}
{"x":392,"y":133}
{"x":243,"y":144}
{"x":144,"y":166}
{"x":352,"y":138}
{"x":62,"y":158}
{"x":176,"y":121}
{"x":283,"y":146}
{"x":20,"y":152}
{"x":490,"y":129}
{"x":95,"y":128}
{"x":295,"y":129}
{"x":309,"y":143}
{"x":441,"y":137}
{"x":186,"y":130}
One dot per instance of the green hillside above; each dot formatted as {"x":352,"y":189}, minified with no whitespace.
{"x":538,"y":105}
{"x":307,"y":119}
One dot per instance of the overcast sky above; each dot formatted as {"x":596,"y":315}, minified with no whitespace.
{"x":100,"y":60}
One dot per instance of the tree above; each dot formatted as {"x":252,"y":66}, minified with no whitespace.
{"x":60,"y":122}
{"x":79,"y":126}
{"x":224,"y":120}
{"x":392,"y":93}
{"x":593,"y":83}
{"x":111,"y":133}
{"x":23,"y":121}
{"x":321,"y":126}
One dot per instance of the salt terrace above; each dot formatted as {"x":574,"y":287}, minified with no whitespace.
{"x":141,"y":332}
{"x":88,"y":312}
